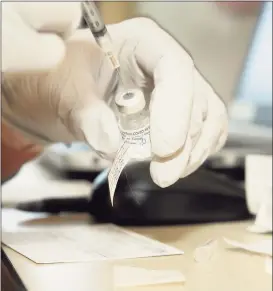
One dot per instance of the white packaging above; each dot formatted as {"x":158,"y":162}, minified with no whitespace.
{"x":259,"y":191}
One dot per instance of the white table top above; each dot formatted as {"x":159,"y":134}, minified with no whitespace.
{"x":226,"y":270}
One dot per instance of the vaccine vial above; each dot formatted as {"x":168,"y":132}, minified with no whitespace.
{"x":134,"y":121}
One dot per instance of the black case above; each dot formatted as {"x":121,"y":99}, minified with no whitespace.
{"x":204,"y":196}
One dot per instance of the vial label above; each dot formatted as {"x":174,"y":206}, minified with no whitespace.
{"x":121,"y":159}
{"x":136,"y":145}
{"x":139,"y":141}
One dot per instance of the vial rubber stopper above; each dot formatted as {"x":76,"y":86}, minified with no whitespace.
{"x":131,"y":101}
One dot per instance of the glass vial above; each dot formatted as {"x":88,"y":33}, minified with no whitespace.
{"x":133,"y":114}
{"x":134,"y":121}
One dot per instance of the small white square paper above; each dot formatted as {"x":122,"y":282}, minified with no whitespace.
{"x":263,"y":247}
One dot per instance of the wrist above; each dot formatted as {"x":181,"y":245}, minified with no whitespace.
{"x":16,"y":150}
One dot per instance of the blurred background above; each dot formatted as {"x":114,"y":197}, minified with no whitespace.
{"x":231,"y":44}
{"x":217,"y":35}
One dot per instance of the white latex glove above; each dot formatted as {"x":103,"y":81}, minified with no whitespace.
{"x":32,"y":41}
{"x":188,"y":120}
{"x":36,"y":64}
{"x":32,"y":33}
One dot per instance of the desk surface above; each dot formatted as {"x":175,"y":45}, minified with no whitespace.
{"x":228,"y":270}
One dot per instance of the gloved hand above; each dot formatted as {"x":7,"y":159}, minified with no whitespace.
{"x":32,"y":40}
{"x":32,"y":33}
{"x":188,"y":120}
{"x":36,"y":100}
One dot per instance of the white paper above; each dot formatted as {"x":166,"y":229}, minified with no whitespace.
{"x":259,"y":191}
{"x":263,"y":247}
{"x":258,"y":180}
{"x":205,"y":252}
{"x":121,"y":159}
{"x":263,"y":221}
{"x":139,"y":141}
{"x":131,"y":276}
{"x":136,"y":146}
{"x":81,"y":243}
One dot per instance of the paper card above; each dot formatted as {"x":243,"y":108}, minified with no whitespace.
{"x":131,"y":276}
{"x":263,"y":247}
{"x":82,"y":243}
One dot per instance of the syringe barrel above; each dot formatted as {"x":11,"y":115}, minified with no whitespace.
{"x":93,"y":18}
{"x":94,"y":21}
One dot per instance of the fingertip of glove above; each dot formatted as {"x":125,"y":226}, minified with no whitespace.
{"x":100,"y":128}
{"x":167,"y":171}
{"x":168,"y":134}
{"x":165,"y":149}
{"x":110,"y":128}
{"x":161,"y":176}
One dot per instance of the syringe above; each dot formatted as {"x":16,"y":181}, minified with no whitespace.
{"x":95,"y":23}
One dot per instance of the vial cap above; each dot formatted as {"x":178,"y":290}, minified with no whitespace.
{"x":131,"y":101}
